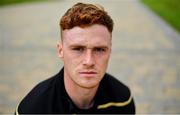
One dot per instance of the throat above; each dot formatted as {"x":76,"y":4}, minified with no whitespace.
{"x":82,"y":97}
{"x":85,"y":105}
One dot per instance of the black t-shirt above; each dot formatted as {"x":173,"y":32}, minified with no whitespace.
{"x":50,"y":96}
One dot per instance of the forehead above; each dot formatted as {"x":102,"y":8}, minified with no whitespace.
{"x":95,"y":34}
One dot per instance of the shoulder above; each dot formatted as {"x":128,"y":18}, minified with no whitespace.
{"x":116,"y":88}
{"x":117,"y":96}
{"x":38,"y":97}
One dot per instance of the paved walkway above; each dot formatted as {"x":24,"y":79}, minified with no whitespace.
{"x":146,"y":52}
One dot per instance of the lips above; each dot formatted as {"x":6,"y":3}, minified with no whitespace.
{"x":88,"y":73}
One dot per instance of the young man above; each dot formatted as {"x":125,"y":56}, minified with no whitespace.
{"x":82,"y":85}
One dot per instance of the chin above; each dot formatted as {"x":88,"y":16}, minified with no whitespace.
{"x":89,"y":85}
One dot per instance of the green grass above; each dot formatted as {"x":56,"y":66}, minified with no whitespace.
{"x":169,"y":10}
{"x":9,"y":2}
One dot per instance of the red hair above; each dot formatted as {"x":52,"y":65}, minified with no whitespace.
{"x":84,"y":15}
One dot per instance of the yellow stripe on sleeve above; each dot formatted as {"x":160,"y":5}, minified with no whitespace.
{"x":16,"y":113}
{"x":117,"y":104}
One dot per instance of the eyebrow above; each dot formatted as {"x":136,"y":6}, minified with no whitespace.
{"x":98,"y":46}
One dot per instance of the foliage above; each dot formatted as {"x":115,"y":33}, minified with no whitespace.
{"x":169,"y":10}
{"x":9,"y":2}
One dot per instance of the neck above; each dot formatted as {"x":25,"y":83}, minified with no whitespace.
{"x":82,"y":97}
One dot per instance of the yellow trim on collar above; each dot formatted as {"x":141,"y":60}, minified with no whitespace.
{"x":16,"y":113}
{"x":117,"y":104}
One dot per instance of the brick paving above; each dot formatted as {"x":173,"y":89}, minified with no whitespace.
{"x":146,"y":52}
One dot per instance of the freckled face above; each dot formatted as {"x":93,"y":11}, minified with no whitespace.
{"x":85,"y":53}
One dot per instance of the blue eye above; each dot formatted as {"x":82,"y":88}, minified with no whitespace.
{"x":99,"y":49}
{"x":78,"y":49}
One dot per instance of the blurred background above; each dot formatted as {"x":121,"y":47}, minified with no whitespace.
{"x":146,"y":50}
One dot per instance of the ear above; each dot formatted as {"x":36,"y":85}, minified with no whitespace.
{"x":60,"y":49}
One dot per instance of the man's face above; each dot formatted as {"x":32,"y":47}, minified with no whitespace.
{"x":85,"y":53}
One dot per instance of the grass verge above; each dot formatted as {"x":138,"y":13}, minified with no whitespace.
{"x":10,"y":2}
{"x":169,"y":10}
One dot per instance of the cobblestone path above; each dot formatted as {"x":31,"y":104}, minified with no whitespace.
{"x":146,"y":52}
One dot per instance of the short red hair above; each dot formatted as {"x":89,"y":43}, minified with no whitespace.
{"x":84,"y":15}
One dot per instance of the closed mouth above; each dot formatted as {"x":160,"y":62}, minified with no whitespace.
{"x":91,"y":72}
{"x":88,"y":74}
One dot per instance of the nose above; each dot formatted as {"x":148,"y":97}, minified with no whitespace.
{"x":88,"y":59}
